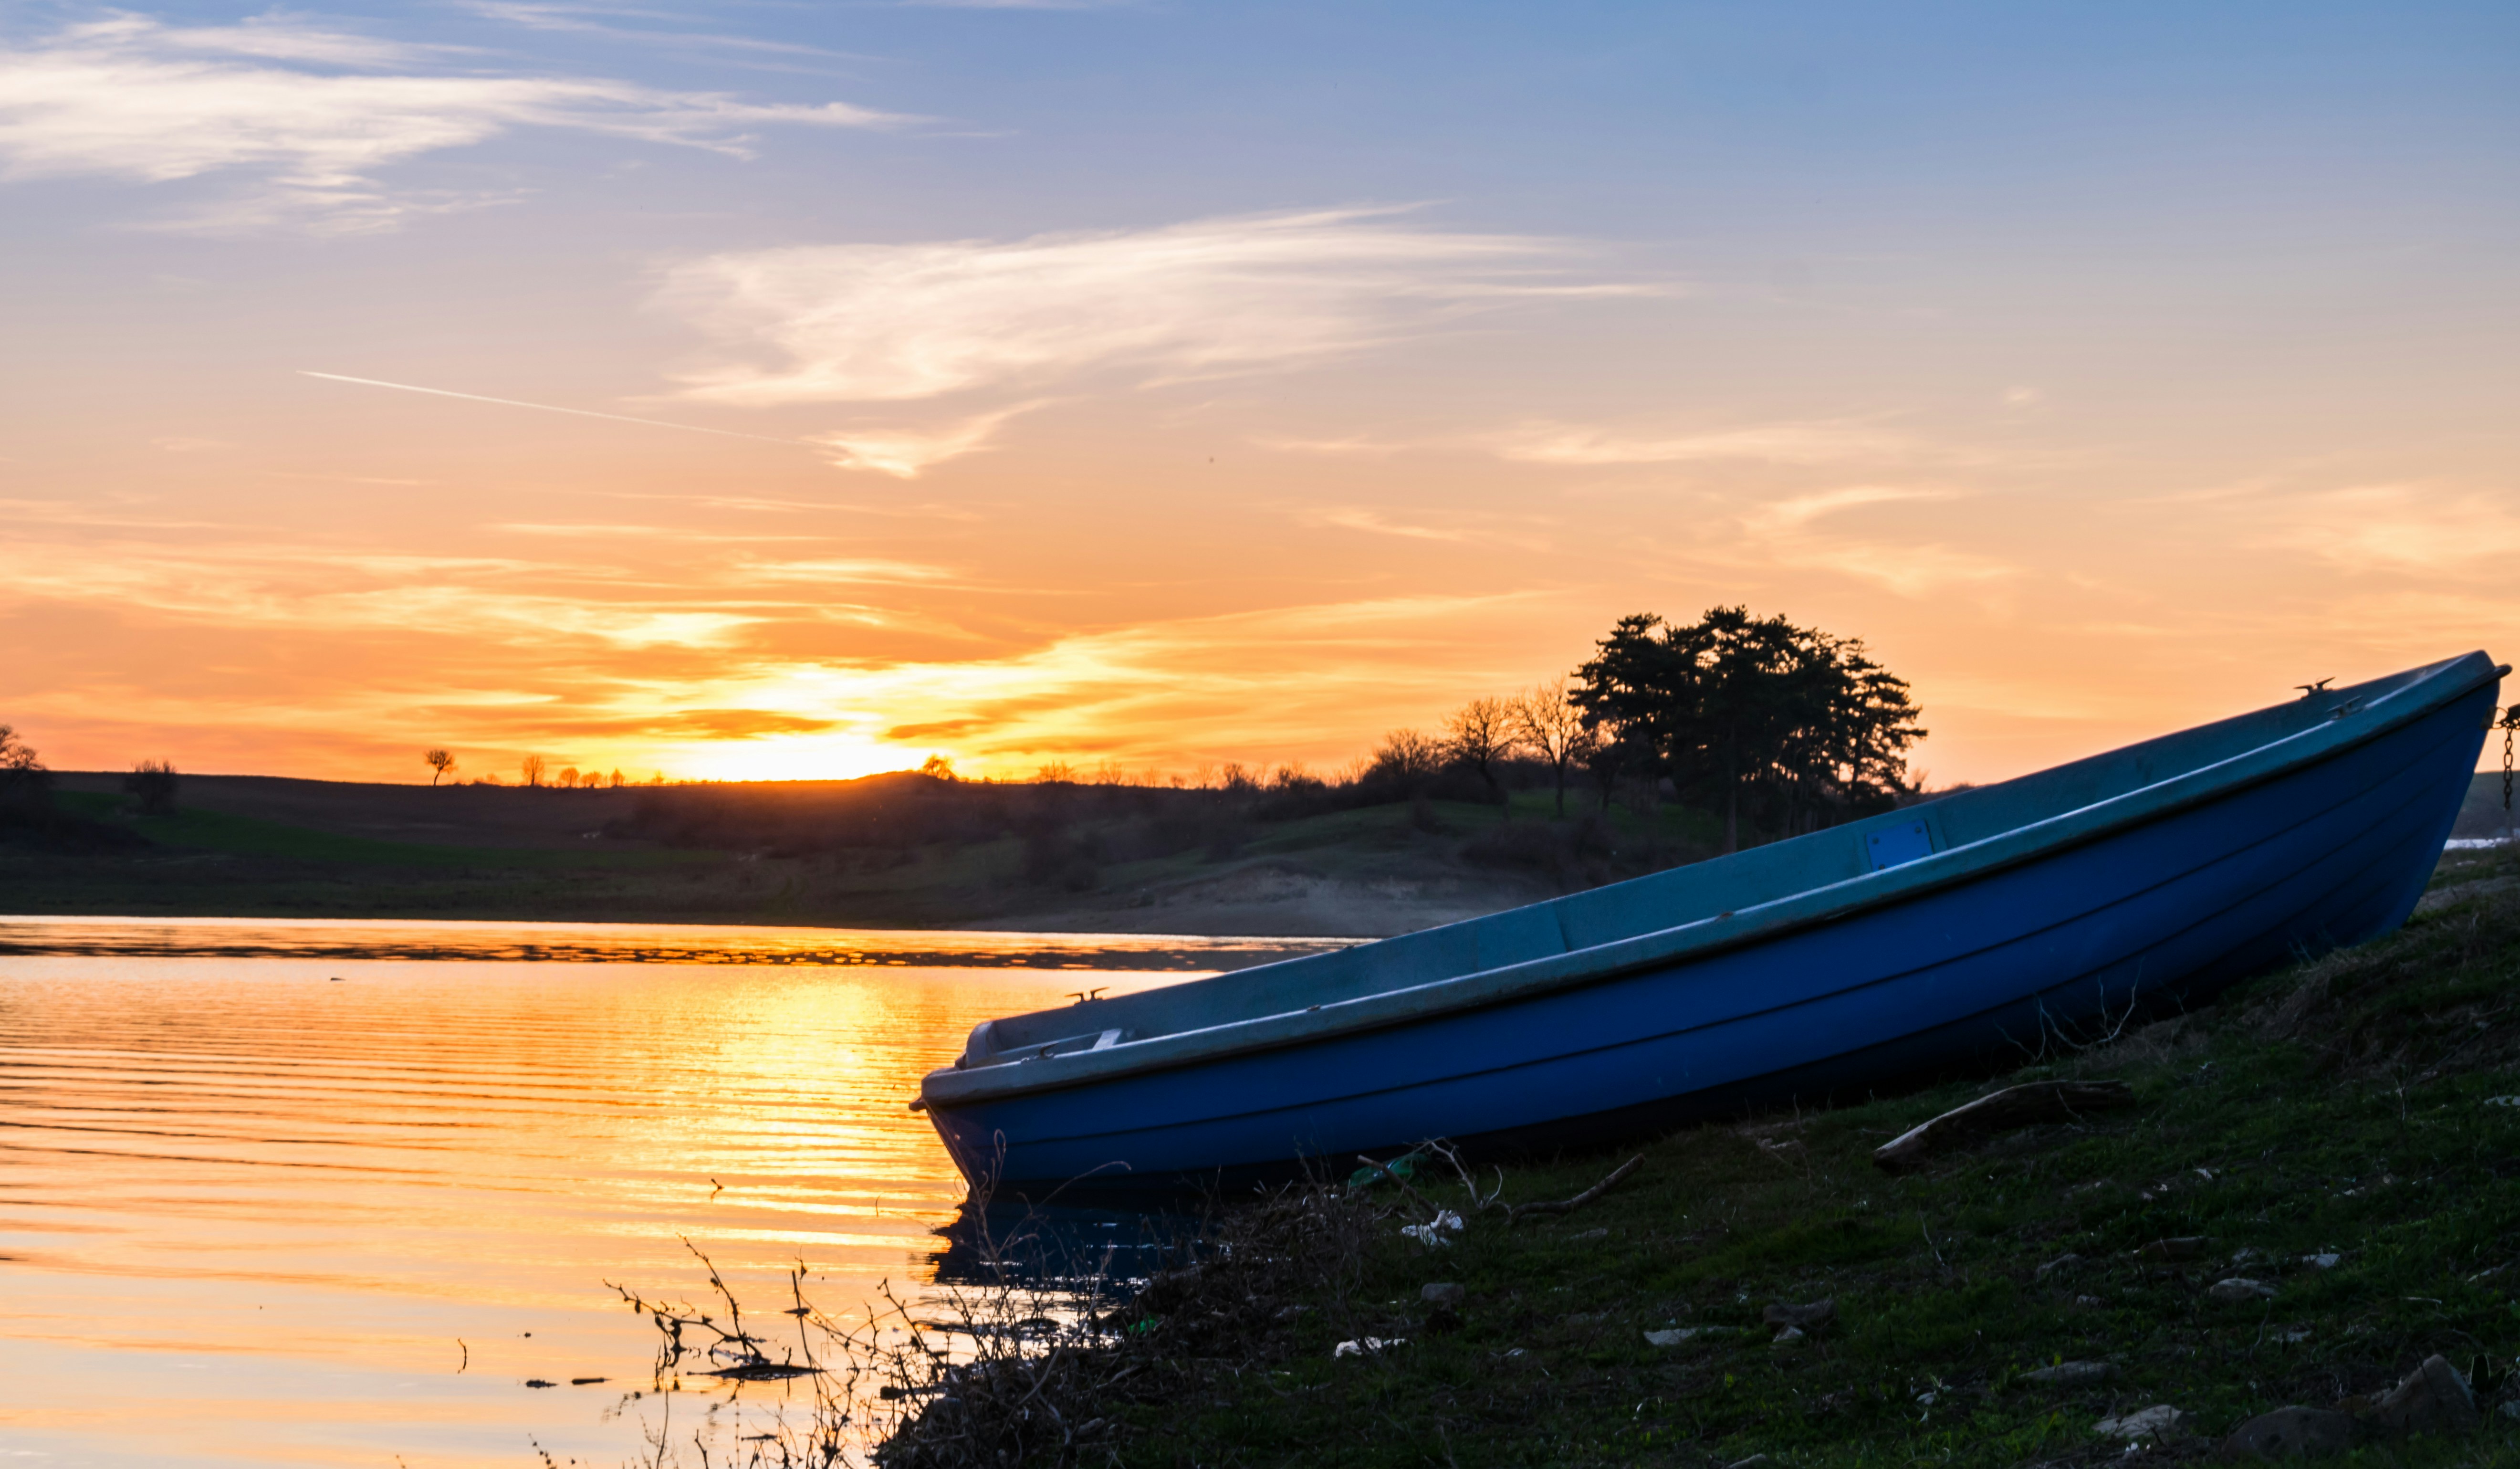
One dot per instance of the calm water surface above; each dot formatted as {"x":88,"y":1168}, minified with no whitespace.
{"x":288,"y":1207}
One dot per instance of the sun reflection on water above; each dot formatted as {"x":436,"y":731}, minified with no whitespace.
{"x":328,"y":1211}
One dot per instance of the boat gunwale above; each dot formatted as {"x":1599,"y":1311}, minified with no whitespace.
{"x":950,"y":1087}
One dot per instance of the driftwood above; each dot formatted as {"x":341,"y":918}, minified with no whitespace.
{"x":1513,"y":1212}
{"x":1999,"y":1112}
{"x":1482,"y":1202}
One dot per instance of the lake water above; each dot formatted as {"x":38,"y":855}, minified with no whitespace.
{"x":266,"y":1201}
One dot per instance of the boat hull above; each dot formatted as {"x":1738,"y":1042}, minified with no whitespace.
{"x":2170,"y":909}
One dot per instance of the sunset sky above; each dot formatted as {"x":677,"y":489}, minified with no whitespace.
{"x":814,"y":388}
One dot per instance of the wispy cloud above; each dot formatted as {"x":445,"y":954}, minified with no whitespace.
{"x":1793,"y":514}
{"x":903,"y":452}
{"x":1454,"y":524}
{"x":312,"y":116}
{"x":598,"y":529}
{"x":975,"y":318}
{"x":1805,"y":442}
{"x":1375,"y":523}
{"x":1904,"y":556}
{"x":833,"y":570}
{"x":1354,"y":446}
{"x":241,"y":584}
{"x":474,"y":398}
{"x":2394,"y":528}
{"x":603,"y":21}
{"x":890,"y":323}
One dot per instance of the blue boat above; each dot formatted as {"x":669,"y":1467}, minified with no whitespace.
{"x":1923,"y":938}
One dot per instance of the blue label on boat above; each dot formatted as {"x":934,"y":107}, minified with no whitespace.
{"x":1894,"y":845}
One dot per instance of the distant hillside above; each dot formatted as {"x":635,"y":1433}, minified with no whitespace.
{"x":891,"y":851}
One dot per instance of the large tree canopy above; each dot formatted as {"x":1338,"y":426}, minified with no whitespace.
{"x":1799,"y":728}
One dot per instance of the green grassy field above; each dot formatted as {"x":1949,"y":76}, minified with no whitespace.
{"x":2360,"y":1108}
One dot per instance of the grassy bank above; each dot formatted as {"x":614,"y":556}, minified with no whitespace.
{"x":2331,"y":1133}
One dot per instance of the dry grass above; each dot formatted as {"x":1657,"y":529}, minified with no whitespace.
{"x":1036,"y":1361}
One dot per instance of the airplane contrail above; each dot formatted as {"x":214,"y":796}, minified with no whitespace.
{"x":618,"y":418}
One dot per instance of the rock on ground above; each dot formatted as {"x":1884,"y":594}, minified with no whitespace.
{"x":2157,"y":1422}
{"x":1794,"y":1322}
{"x":2290,"y":1431}
{"x":2432,"y":1399}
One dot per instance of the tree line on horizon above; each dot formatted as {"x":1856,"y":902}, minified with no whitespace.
{"x":27,"y":808}
{"x":1761,"y":722}
{"x":1769,"y":726}
{"x":533,"y":773}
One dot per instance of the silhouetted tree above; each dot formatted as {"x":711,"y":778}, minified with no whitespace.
{"x":1546,"y":722}
{"x":25,"y":786}
{"x":1740,"y":708}
{"x":1607,"y":759}
{"x":1480,"y":734}
{"x":153,"y":782}
{"x":1407,"y":758}
{"x":938,"y":767}
{"x":532,"y":767}
{"x":440,"y":762}
{"x":616,"y":780}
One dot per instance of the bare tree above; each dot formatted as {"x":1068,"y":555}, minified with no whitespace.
{"x":1407,"y":758}
{"x":616,"y":779}
{"x":1546,"y":722}
{"x":153,"y":782}
{"x":532,"y":767}
{"x":440,"y":762}
{"x":937,"y":768}
{"x":1480,"y":735}
{"x":24,"y":784}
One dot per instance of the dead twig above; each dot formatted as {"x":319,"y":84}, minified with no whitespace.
{"x":1513,"y":1212}
{"x":1481,"y":1203}
{"x":2013,"y":1107}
